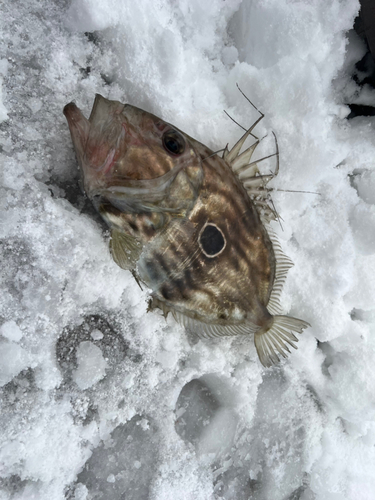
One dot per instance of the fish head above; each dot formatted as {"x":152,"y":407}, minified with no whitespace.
{"x":132,"y":161}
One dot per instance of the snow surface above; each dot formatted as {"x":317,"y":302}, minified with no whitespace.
{"x":103,"y":401}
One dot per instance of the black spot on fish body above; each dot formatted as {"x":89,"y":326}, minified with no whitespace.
{"x":212,"y":240}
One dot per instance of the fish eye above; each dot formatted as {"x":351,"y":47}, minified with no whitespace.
{"x":211,"y":240}
{"x":173,"y":142}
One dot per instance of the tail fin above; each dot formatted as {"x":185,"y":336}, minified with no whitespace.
{"x":274,"y":340}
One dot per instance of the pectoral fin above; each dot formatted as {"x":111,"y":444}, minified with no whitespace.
{"x":125,"y":249}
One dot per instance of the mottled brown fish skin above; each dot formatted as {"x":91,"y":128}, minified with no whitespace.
{"x":183,"y":223}
{"x":230,"y":288}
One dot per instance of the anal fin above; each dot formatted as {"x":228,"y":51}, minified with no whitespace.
{"x":274,"y":341}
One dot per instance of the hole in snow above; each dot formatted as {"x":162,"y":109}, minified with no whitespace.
{"x":195,"y":407}
{"x":124,"y":465}
{"x":205,"y":415}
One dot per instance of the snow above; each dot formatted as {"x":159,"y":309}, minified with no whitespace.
{"x":11,"y":331}
{"x":14,"y":359}
{"x":91,"y":365}
{"x":100,"y":399}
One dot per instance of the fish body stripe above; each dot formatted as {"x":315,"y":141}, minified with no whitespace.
{"x":159,"y":189}
{"x":213,"y":289}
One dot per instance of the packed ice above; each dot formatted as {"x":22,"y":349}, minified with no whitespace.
{"x":102,"y":400}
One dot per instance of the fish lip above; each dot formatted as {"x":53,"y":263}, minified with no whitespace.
{"x":67,"y":108}
{"x":79,"y":128}
{"x":105,"y":111}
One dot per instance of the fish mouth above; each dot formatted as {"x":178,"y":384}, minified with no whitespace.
{"x":79,"y":128}
{"x":96,"y":140}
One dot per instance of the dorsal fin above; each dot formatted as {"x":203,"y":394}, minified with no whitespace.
{"x":241,"y":162}
{"x":250,"y":177}
{"x":283,"y":264}
{"x":231,"y":155}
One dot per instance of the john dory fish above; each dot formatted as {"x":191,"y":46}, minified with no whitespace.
{"x":190,"y":225}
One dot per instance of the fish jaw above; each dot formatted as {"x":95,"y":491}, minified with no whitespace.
{"x":96,"y":141}
{"x":79,"y":128}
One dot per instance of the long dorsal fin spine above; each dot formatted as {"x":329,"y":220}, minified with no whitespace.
{"x":233,"y":153}
{"x":249,"y":172}
{"x":242,"y":162}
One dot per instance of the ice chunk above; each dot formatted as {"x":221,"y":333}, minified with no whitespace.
{"x":80,"y":492}
{"x":363,"y":226}
{"x":364,"y":182}
{"x":96,"y":335}
{"x":204,"y":416}
{"x":94,"y":329}
{"x":91,"y":365}
{"x":167,"y":359}
{"x":11,"y":331}
{"x":229,"y":55}
{"x":13,"y":359}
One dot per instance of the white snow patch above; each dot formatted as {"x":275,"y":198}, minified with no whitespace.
{"x":96,"y":335}
{"x":3,"y":73}
{"x":14,"y":359}
{"x":91,"y":365}
{"x":11,"y":331}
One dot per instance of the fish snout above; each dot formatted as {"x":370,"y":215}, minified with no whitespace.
{"x":71,"y":110}
{"x":79,"y":128}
